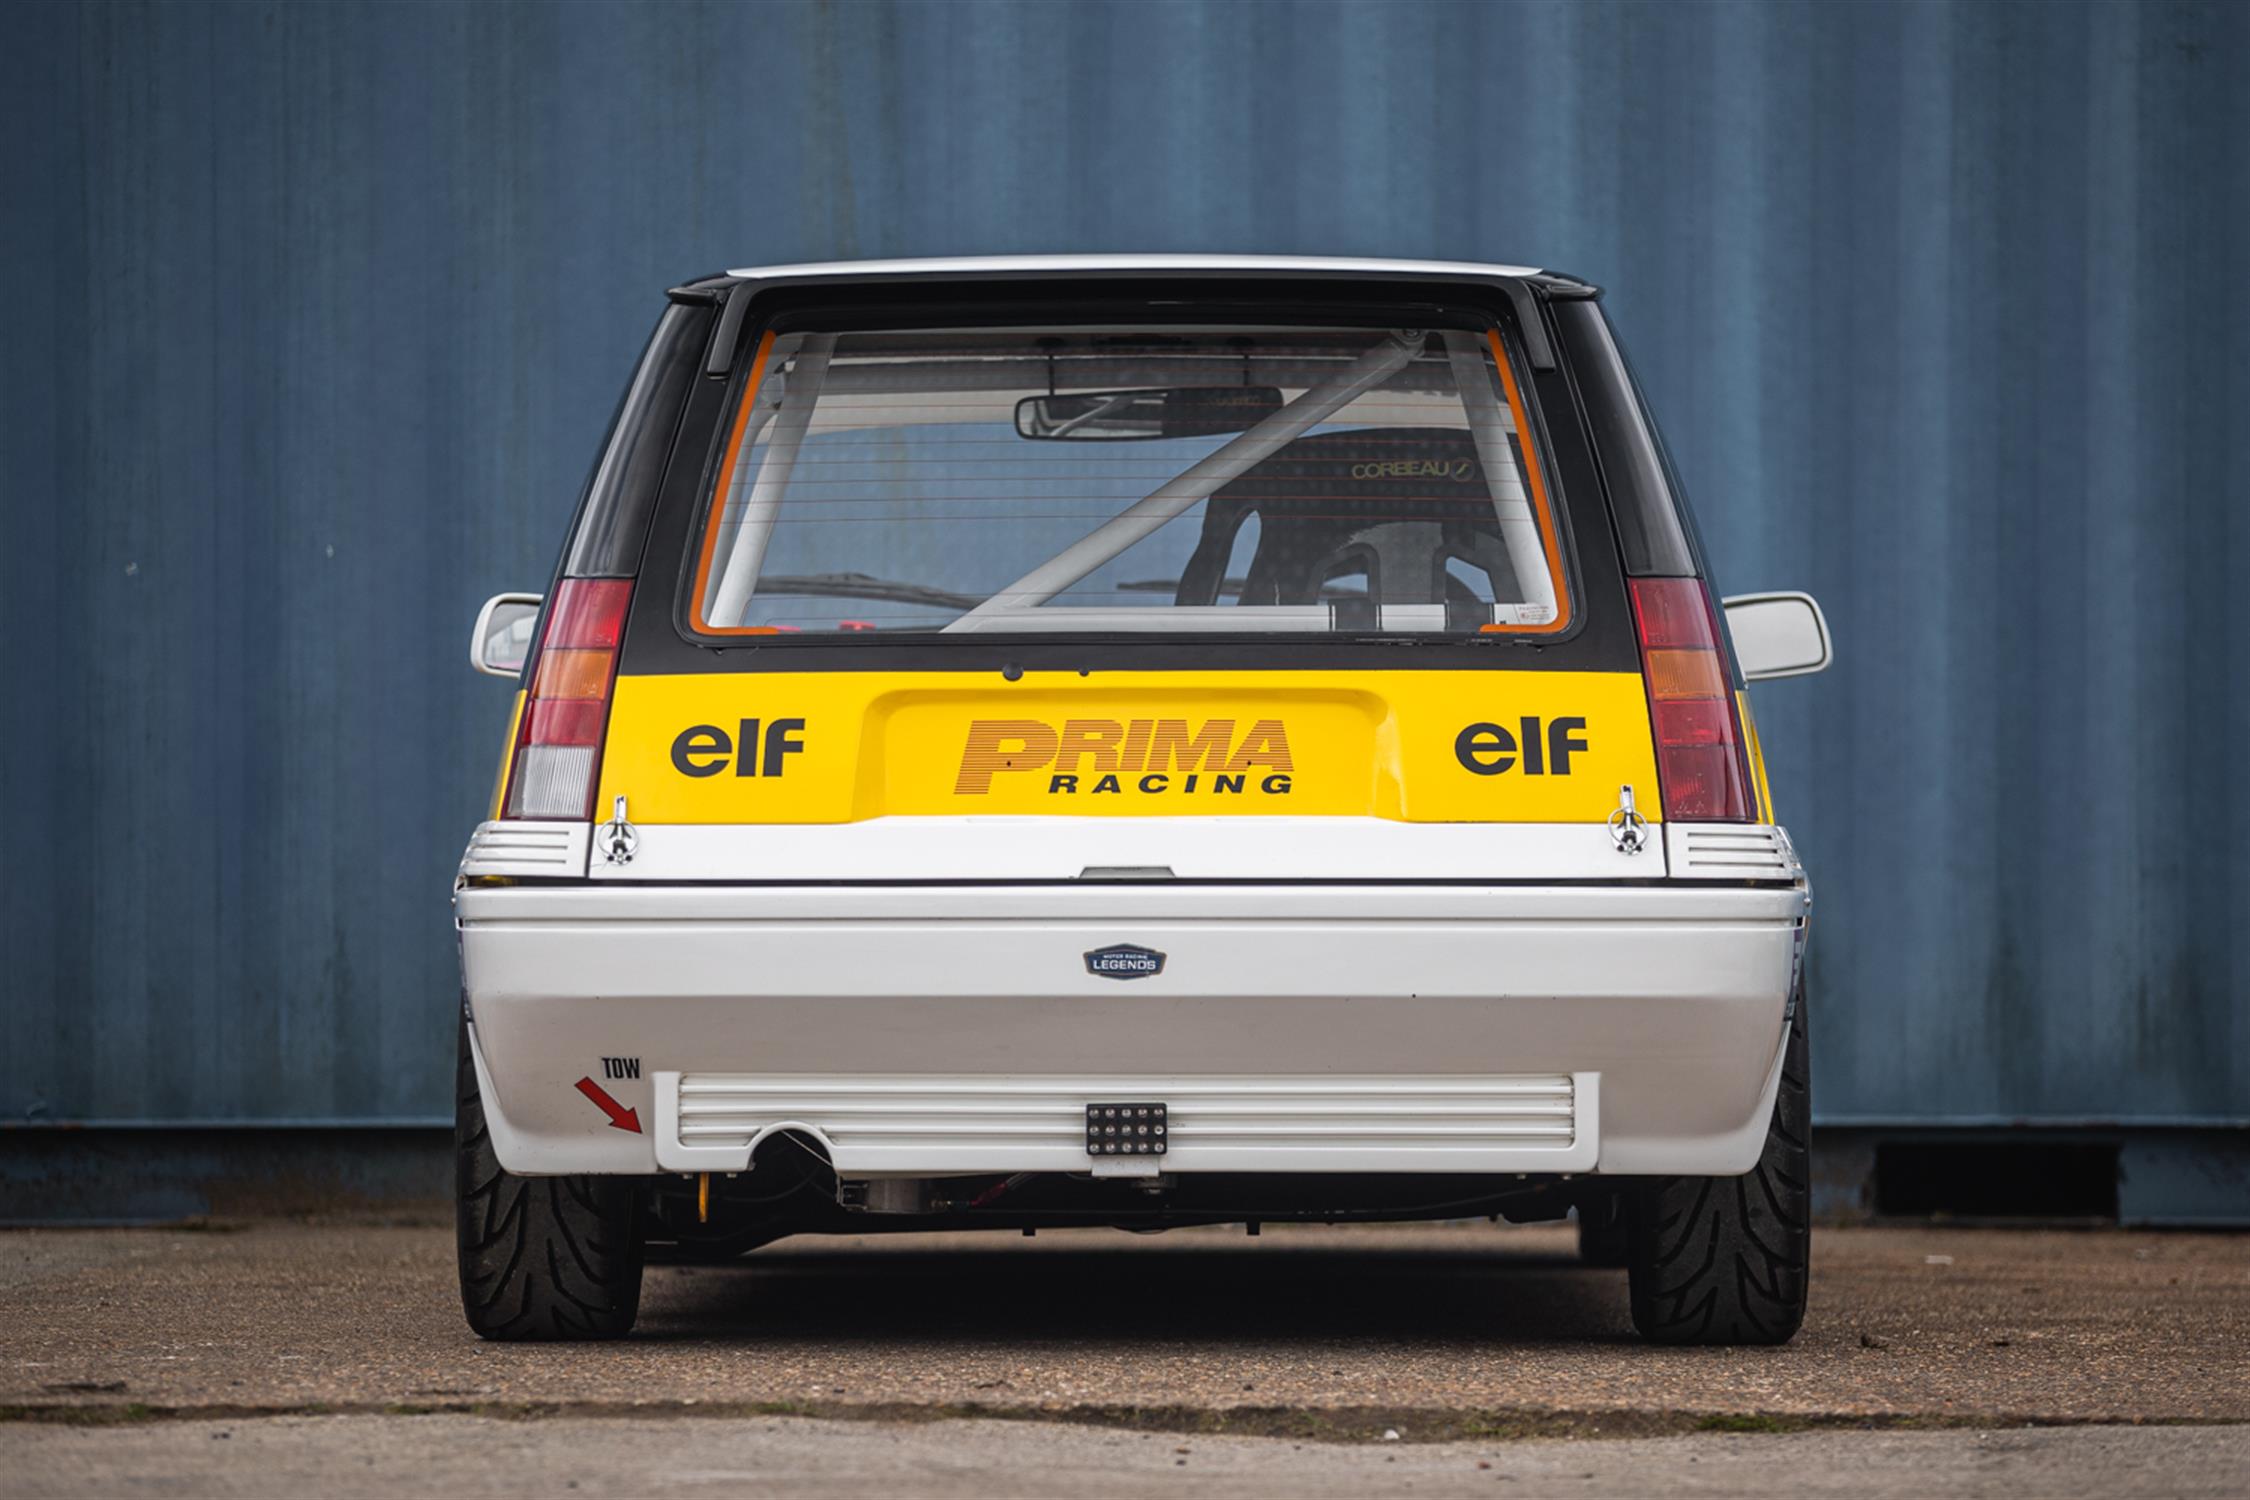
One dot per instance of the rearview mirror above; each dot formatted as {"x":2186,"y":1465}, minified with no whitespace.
{"x":1189,"y":411}
{"x":1777,"y":635}
{"x":502,"y":638}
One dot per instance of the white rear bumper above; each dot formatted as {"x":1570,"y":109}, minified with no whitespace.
{"x":933,"y":1029}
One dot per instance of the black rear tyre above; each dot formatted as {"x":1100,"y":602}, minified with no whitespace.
{"x":1602,"y":1236}
{"x":1725,"y":1260}
{"x":541,"y":1257}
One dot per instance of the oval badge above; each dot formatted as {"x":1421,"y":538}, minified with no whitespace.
{"x":1124,"y":961}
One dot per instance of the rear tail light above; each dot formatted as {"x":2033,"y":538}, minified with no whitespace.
{"x":559,"y":747}
{"x":1699,"y":746}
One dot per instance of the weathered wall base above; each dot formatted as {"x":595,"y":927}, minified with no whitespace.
{"x":137,"y":1175}
{"x":2146,"y":1175}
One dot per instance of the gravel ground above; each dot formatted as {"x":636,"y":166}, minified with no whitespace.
{"x":472,"y":1456}
{"x":1328,"y":1332}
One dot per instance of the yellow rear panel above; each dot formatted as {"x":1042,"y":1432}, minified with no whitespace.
{"x":1424,"y":747}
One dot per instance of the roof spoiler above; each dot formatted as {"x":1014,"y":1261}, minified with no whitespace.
{"x":734,"y":296}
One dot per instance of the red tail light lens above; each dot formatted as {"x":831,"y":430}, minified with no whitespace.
{"x":1699,"y":755}
{"x":559,"y":748}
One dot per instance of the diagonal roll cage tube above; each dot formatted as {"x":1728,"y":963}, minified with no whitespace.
{"x":754,"y":527}
{"x":1216,"y":470}
{"x":1518,"y":528}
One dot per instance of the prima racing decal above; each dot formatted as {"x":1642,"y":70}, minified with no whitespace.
{"x":1157,"y":755}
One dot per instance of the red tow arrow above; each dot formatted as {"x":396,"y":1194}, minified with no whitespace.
{"x":620,"y":1118}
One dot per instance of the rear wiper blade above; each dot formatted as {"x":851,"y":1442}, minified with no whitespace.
{"x":865,"y":586}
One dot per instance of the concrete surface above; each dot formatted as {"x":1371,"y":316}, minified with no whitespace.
{"x":459,"y":1455}
{"x":128,"y":1353}
{"x":1927,"y":1323}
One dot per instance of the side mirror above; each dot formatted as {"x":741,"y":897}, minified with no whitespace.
{"x":1778,"y":635}
{"x":502,"y":638}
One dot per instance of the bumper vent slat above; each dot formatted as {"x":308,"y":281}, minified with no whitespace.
{"x":1732,"y":852}
{"x":969,"y":1124}
{"x":523,"y":848}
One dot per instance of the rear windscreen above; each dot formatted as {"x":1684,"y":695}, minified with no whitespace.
{"x":1185,"y":478}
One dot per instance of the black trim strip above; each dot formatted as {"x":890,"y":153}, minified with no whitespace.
{"x":728,"y":334}
{"x":1642,"y":501}
{"x":1530,"y":324}
{"x":611,"y":527}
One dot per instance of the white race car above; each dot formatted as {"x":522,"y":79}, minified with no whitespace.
{"x":1133,"y":741}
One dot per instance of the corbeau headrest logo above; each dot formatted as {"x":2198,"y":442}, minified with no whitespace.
{"x":1155,"y":755}
{"x":1459,"y":470}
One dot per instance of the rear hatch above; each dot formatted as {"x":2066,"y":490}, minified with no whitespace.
{"x":1117,"y":591}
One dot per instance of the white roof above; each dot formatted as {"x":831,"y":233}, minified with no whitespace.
{"x":985,"y":265}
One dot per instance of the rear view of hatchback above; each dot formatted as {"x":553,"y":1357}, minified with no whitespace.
{"x":1133,"y":741}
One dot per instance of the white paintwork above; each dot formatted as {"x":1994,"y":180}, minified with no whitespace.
{"x":811,"y":906}
{"x":1725,"y":1153}
{"x":1192,"y":848}
{"x":919,"y":1124}
{"x":507,"y":1142}
{"x":1673,"y":995}
{"x":500,"y":641}
{"x":1042,"y":265}
{"x":1778,"y":635}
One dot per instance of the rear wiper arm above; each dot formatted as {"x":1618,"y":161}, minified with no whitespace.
{"x":865,"y":586}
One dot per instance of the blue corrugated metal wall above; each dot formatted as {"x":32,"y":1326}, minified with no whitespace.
{"x":313,"y":313}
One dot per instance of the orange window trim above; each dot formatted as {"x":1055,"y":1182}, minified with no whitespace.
{"x":726,"y":486}
{"x":1549,"y":536}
